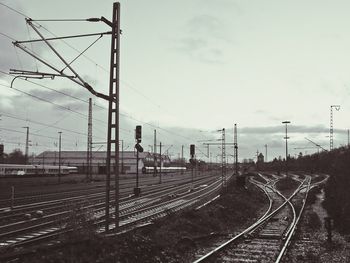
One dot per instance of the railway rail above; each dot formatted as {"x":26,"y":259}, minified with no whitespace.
{"x":26,"y":196}
{"x":268,"y":238}
{"x":64,"y":202}
{"x":132,"y":213}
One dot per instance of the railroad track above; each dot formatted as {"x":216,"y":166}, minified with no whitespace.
{"x":132,"y":213}
{"x":8,"y":216}
{"x":268,"y":238}
{"x":61,"y":192}
{"x":94,"y":201}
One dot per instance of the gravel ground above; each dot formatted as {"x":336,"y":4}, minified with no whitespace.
{"x":312,"y":245}
{"x":175,"y":238}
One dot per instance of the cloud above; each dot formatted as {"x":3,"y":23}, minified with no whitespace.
{"x":291,"y":129}
{"x":12,"y":25}
{"x":203,"y":39}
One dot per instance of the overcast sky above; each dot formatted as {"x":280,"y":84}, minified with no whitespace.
{"x":188,"y":68}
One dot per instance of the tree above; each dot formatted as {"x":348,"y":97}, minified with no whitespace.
{"x":15,"y":157}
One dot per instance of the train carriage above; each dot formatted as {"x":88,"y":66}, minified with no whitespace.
{"x":150,"y":169}
{"x":40,"y":170}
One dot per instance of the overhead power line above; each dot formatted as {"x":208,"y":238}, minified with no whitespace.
{"x":91,"y":60}
{"x":104,"y":69}
{"x":46,"y":125}
{"x":14,"y":10}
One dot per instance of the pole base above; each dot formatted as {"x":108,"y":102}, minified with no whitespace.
{"x":137,"y":191}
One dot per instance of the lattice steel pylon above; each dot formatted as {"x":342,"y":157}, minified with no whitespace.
{"x":89,"y":145}
{"x":235,"y":151}
{"x":112,"y":97}
{"x":337,"y":107}
{"x":113,"y":116}
{"x":223,"y":159}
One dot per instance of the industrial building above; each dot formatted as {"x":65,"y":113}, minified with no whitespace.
{"x":127,"y":160}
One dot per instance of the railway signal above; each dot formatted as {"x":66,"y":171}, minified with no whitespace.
{"x":192,"y":150}
{"x":138,"y":147}
{"x":138,"y":133}
{"x":1,"y":152}
{"x":192,"y":160}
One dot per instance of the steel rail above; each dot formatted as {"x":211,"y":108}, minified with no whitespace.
{"x":292,"y":231}
{"x":254,"y":226}
{"x":247,"y":230}
{"x":146,"y":182}
{"x":161,"y":210}
{"x":95,"y":206}
{"x":51,"y":204}
{"x":164,"y":192}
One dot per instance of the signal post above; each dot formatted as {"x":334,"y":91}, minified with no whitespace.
{"x":138,"y":147}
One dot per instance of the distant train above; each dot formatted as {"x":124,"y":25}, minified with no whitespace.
{"x":42,"y":170}
{"x":150,"y":169}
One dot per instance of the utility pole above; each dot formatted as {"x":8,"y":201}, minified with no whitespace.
{"x":235,"y":145}
{"x":348,"y":139}
{"x":192,"y":160}
{"x":27,"y":145}
{"x":113,"y":117}
{"x":138,"y":147}
{"x":265,"y":153}
{"x":89,"y":144}
{"x":59,"y":157}
{"x":286,"y":123}
{"x":182,"y":158}
{"x":154,"y":154}
{"x":223,"y":158}
{"x":112,"y":97}
{"x":160,"y":165}
{"x":337,"y":107}
{"x":122,"y":156}
{"x":1,"y":149}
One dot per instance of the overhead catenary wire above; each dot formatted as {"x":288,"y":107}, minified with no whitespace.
{"x":47,"y":101}
{"x":103,"y":68}
{"x":46,"y":125}
{"x":55,"y":90}
{"x":128,"y":85}
{"x":14,"y":10}
{"x":31,"y":134}
{"x":122,"y":114}
{"x":91,"y":60}
{"x":5,"y":35}
{"x":82,"y":52}
{"x":66,"y":20}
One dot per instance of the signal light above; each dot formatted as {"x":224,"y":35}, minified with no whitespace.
{"x":138,"y":148}
{"x":138,"y":133}
{"x":192,"y":150}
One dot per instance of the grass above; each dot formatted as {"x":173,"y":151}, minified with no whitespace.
{"x":287,"y":186}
